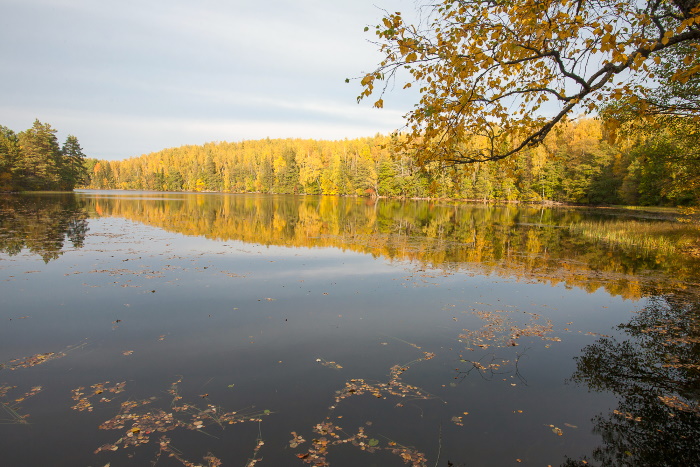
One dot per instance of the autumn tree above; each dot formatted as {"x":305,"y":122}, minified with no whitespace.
{"x":663,"y":163}
{"x":509,"y":71}
{"x":659,"y":131}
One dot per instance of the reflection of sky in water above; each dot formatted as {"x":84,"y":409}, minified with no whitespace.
{"x":246,"y":323}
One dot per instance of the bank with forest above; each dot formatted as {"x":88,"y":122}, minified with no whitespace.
{"x":578,"y":164}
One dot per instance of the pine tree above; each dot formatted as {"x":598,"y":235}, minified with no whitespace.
{"x":9,"y":154}
{"x":73,"y":169}
{"x":40,"y":161}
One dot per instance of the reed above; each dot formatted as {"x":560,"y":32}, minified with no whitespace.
{"x":15,"y":417}
{"x":667,"y":238}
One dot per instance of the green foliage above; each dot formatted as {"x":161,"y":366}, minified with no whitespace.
{"x":9,"y":154}
{"x":73,"y":169}
{"x":33,"y":160}
{"x":39,"y":164}
{"x":660,"y":161}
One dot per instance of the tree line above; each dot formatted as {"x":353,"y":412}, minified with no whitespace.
{"x":579,"y":163}
{"x":33,"y":160}
{"x":487,"y":70}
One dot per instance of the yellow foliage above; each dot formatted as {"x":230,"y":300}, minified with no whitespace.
{"x":485,"y":69}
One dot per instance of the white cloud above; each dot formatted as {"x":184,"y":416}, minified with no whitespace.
{"x":118,"y":136}
{"x":133,"y":77}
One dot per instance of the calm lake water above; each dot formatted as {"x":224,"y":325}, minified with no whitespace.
{"x":238,"y":330}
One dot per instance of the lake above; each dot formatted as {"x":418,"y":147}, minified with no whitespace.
{"x":145,"y":328}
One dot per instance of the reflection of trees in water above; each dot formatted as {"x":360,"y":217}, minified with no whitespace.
{"x":41,"y":224}
{"x":655,"y":373}
{"x":524,"y":241}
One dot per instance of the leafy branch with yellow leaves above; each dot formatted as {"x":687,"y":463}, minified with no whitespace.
{"x":495,"y":77}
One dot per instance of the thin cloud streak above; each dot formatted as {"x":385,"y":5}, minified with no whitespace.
{"x":130,"y":78}
{"x":123,"y":136}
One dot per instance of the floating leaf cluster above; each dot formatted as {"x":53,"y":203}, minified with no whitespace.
{"x":140,"y":422}
{"x":328,"y":364}
{"x":38,"y":359}
{"x":334,"y":435}
{"x":34,"y":360}
{"x":331,"y":436}
{"x":11,"y":407}
{"x":83,"y":400}
{"x":502,"y":330}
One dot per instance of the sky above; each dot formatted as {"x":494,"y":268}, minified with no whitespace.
{"x":133,"y":77}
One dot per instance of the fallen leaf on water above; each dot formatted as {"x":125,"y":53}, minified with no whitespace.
{"x":296,"y":440}
{"x":556,"y":431}
{"x":328,"y":364}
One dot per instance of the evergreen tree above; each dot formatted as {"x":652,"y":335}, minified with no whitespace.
{"x":210,"y":174}
{"x":40,"y":162}
{"x":73,"y":171}
{"x":9,"y":154}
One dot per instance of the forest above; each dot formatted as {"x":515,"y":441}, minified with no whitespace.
{"x":586,"y":161}
{"x":32,"y":160}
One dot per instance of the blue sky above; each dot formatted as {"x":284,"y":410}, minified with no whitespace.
{"x":132,"y":77}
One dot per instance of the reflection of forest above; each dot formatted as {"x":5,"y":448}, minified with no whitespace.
{"x":529,"y":242}
{"x":655,"y":371}
{"x":41,"y":223}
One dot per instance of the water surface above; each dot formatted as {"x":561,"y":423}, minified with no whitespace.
{"x":188,"y":329}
